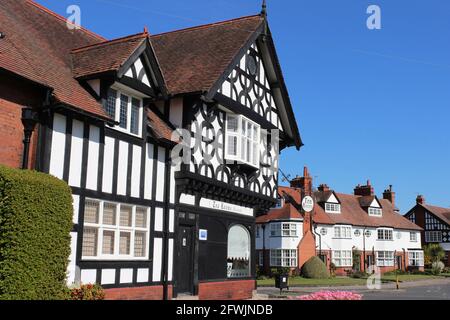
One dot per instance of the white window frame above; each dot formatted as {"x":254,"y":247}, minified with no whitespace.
{"x":332,"y":207}
{"x":433,"y":236}
{"x":386,"y":234}
{"x":413,"y":236}
{"x":415,"y":258}
{"x":127,"y":130}
{"x":375,"y":212}
{"x":239,"y":135}
{"x":283,"y":229}
{"x":342,"y":258}
{"x":117,"y":229}
{"x":385,"y":258}
{"x":283,"y":258}
{"x":342,"y":232}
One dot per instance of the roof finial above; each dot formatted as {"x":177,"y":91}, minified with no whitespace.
{"x":145,"y":30}
{"x":264,"y":9}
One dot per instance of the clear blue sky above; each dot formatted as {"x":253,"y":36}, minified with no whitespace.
{"x":371,"y":104}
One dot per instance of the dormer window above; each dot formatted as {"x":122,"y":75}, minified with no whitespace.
{"x":125,"y":109}
{"x":375,"y":212}
{"x":332,"y":207}
{"x":242,"y":140}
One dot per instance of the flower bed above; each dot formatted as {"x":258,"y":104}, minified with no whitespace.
{"x":330,"y":295}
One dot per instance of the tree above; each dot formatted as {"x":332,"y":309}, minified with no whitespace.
{"x":433,"y":252}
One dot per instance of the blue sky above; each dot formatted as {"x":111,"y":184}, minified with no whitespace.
{"x":371,"y":104}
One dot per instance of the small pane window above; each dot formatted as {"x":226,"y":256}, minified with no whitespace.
{"x":111,"y":103}
{"x":125,"y":216}
{"x":91,"y":211}
{"x":89,"y":242}
{"x":139,"y":244}
{"x":136,"y":103}
{"x":141,"y":218}
{"x":123,"y":111}
{"x":109,"y":214}
{"x":125,"y":243}
{"x":108,"y":242}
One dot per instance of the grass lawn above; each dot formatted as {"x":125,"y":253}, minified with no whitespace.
{"x":344,"y":281}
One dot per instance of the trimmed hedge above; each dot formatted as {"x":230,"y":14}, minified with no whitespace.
{"x":314,"y":268}
{"x":35,"y":223}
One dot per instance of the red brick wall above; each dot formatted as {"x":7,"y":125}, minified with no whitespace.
{"x":137,"y":293}
{"x":226,"y":290}
{"x":14,"y":94}
{"x":306,"y":248}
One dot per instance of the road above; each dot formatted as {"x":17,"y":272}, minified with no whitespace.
{"x":418,"y":290}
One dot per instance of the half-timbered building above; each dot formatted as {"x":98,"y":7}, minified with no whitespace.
{"x":169,"y":142}
{"x":435,"y":222}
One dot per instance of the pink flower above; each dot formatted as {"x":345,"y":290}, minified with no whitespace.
{"x":330,"y":295}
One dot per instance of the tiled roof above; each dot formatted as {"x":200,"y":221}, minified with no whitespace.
{"x":105,"y":56}
{"x":287,"y":212}
{"x":351,"y":212}
{"x":441,"y":213}
{"x":160,"y":128}
{"x":37,"y":46}
{"x":193,"y":59}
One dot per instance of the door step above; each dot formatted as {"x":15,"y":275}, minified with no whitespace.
{"x":186,"y":297}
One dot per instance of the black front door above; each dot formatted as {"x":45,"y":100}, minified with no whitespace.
{"x":185,"y":260}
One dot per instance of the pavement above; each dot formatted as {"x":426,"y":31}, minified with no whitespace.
{"x":436,"y":289}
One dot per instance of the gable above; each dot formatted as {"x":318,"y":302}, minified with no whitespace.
{"x":375,"y":204}
{"x":138,"y":72}
{"x":332,"y":199}
{"x":248,"y":85}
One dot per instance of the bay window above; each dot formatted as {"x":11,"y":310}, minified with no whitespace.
{"x":114,"y":231}
{"x":126,"y":110}
{"x":283,"y":258}
{"x":242,"y":140}
{"x":283,"y":229}
{"x":342,"y":258}
{"x":385,"y":258}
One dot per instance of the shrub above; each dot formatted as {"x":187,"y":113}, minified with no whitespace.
{"x":35,"y":223}
{"x":433,"y":252}
{"x":87,"y":292}
{"x":359,"y":274}
{"x":314,"y":268}
{"x":437,"y":267}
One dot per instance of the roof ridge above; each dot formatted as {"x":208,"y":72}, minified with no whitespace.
{"x":107,"y":42}
{"x":61,"y":18}
{"x":207,"y":25}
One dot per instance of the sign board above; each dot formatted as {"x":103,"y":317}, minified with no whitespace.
{"x":203,"y":235}
{"x":223,"y":206}
{"x":308,"y":204}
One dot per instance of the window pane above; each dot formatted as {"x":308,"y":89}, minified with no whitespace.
{"x":109,"y":214}
{"x":91,"y":210}
{"x":238,"y":262}
{"x":232,"y":145}
{"x":232,"y":123}
{"x":125,"y":216}
{"x":111,"y":103}
{"x":108,"y":242}
{"x":139,"y":244}
{"x":135,"y":116}
{"x":123,"y":111}
{"x":89,"y":242}
{"x":125,"y":243}
{"x":141,"y":217}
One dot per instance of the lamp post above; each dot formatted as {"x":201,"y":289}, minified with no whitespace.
{"x":29,"y":120}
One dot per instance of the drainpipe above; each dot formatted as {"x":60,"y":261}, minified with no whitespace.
{"x":264,"y":247}
{"x":166,"y":227}
{"x":404,"y":258}
{"x":320,"y":238}
{"x":29,"y":121}
{"x":364,"y":248}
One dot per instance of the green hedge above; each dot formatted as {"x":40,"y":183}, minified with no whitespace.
{"x":35,"y":222}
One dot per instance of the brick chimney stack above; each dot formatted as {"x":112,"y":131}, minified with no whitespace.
{"x":388,"y":194}
{"x":304,"y":182}
{"x":420,"y":199}
{"x":366,"y":190}
{"x":324,"y":188}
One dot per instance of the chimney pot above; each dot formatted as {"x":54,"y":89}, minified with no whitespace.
{"x":304,"y":182}
{"x":366,"y":190}
{"x":324,"y":188}
{"x":388,"y":194}
{"x":420,"y":199}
